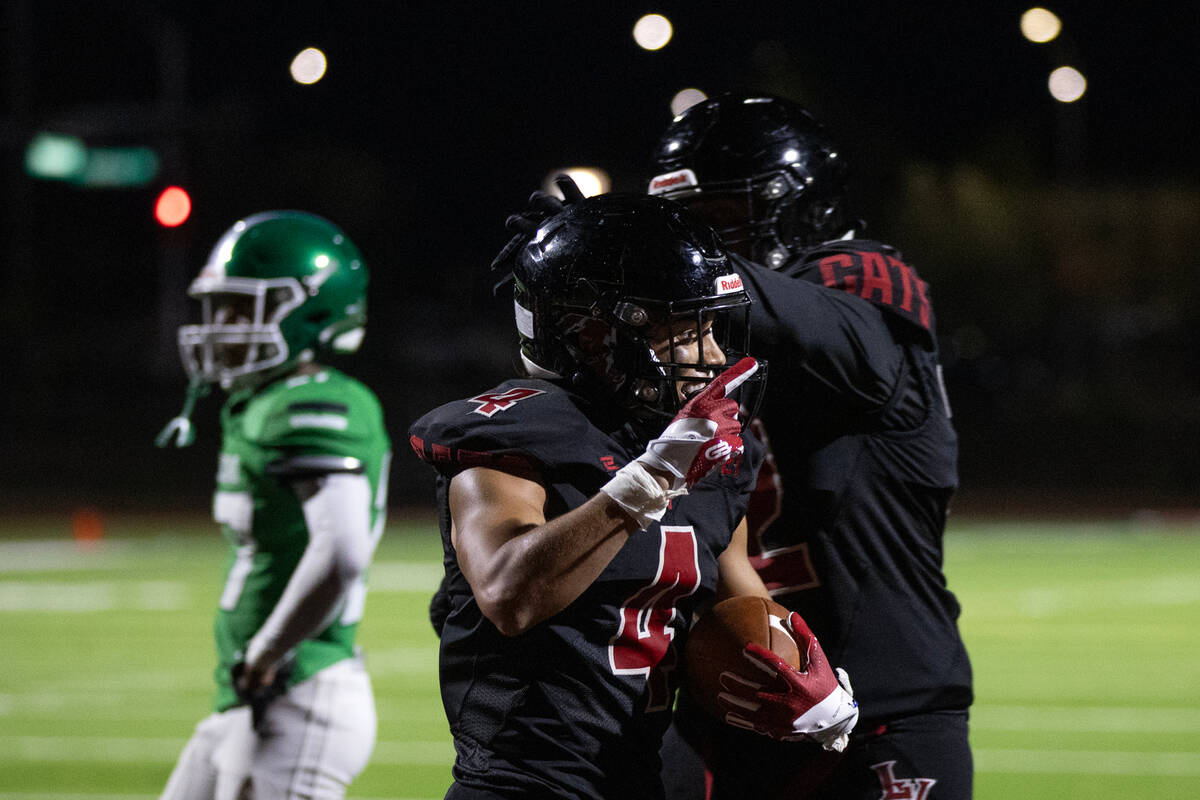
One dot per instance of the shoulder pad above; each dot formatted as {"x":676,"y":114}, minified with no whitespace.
{"x":324,"y":413}
{"x":844,"y":246}
{"x":525,"y":427}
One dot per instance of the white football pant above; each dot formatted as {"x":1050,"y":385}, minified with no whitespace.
{"x":319,"y":737}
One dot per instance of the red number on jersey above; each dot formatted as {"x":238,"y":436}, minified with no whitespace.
{"x":491,"y":402}
{"x":642,"y":645}
{"x":784,"y":569}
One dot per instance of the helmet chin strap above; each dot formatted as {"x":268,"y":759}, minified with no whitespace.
{"x":180,"y":428}
{"x":253,"y":380}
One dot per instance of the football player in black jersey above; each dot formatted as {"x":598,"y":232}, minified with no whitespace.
{"x":590,"y":508}
{"x":848,"y":521}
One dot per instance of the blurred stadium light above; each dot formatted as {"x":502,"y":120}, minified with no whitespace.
{"x":590,"y":180}
{"x":1040,"y":25}
{"x":685,"y":99}
{"x":652,"y":32}
{"x":308,"y":66}
{"x":1067,"y":84}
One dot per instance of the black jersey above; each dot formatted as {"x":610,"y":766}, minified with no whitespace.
{"x":858,"y":423}
{"x":576,"y":706}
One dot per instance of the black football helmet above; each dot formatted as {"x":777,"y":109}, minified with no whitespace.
{"x":760,"y":170}
{"x":600,"y":274}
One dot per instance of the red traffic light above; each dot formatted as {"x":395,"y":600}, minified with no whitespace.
{"x":173,"y":207}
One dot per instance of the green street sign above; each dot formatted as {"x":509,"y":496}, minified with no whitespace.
{"x":59,"y":157}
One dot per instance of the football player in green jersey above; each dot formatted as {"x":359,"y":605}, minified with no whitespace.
{"x":301,"y":497}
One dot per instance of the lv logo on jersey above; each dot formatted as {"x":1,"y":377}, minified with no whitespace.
{"x":901,"y":788}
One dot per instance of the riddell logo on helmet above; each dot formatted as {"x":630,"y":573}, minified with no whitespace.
{"x":672,"y":180}
{"x":729,"y":283}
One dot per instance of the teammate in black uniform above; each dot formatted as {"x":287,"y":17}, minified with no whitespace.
{"x":580,"y":536}
{"x":858,"y":421}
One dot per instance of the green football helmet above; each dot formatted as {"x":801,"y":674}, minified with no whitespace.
{"x":279,"y":289}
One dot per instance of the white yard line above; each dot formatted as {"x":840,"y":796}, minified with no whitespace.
{"x":1163,"y":590}
{"x":73,"y":796}
{"x":45,"y":555}
{"x":87,"y":597}
{"x":1055,"y":601}
{"x":164,"y":750}
{"x":1090,"y":719}
{"x":117,"y":707}
{"x":404,"y":576}
{"x":82,"y":749}
{"x":115,"y":749}
{"x":127,"y":796}
{"x":1087,"y":762}
{"x":55,"y":555}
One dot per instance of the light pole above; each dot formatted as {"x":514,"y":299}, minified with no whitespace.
{"x":1066,"y":85}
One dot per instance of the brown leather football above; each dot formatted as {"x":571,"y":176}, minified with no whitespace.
{"x":716,"y":641}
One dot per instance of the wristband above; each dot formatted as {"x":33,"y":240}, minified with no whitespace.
{"x":830,"y":721}
{"x":634,"y":489}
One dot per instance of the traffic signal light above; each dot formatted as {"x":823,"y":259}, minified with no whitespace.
{"x":173,"y":207}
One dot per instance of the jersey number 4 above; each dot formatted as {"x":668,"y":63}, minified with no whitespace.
{"x":642,"y":645}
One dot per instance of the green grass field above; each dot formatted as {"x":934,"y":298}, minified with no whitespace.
{"x":1084,"y":640}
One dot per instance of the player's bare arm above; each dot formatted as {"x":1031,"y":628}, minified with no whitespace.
{"x":522,"y":568}
{"x":736,"y":576}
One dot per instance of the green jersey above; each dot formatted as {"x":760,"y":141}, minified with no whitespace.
{"x":326,"y":414}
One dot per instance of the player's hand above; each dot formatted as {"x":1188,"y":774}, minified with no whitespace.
{"x":704,"y":434}
{"x":815,"y":703}
{"x":257,"y":687}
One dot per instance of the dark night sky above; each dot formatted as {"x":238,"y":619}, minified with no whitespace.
{"x":435,"y":120}
{"x":460,"y":106}
{"x":467,"y":89}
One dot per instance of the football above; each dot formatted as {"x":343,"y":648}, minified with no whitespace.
{"x":716,"y":641}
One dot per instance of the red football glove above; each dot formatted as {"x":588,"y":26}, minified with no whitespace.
{"x":705,"y":432}
{"x":815,"y":703}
